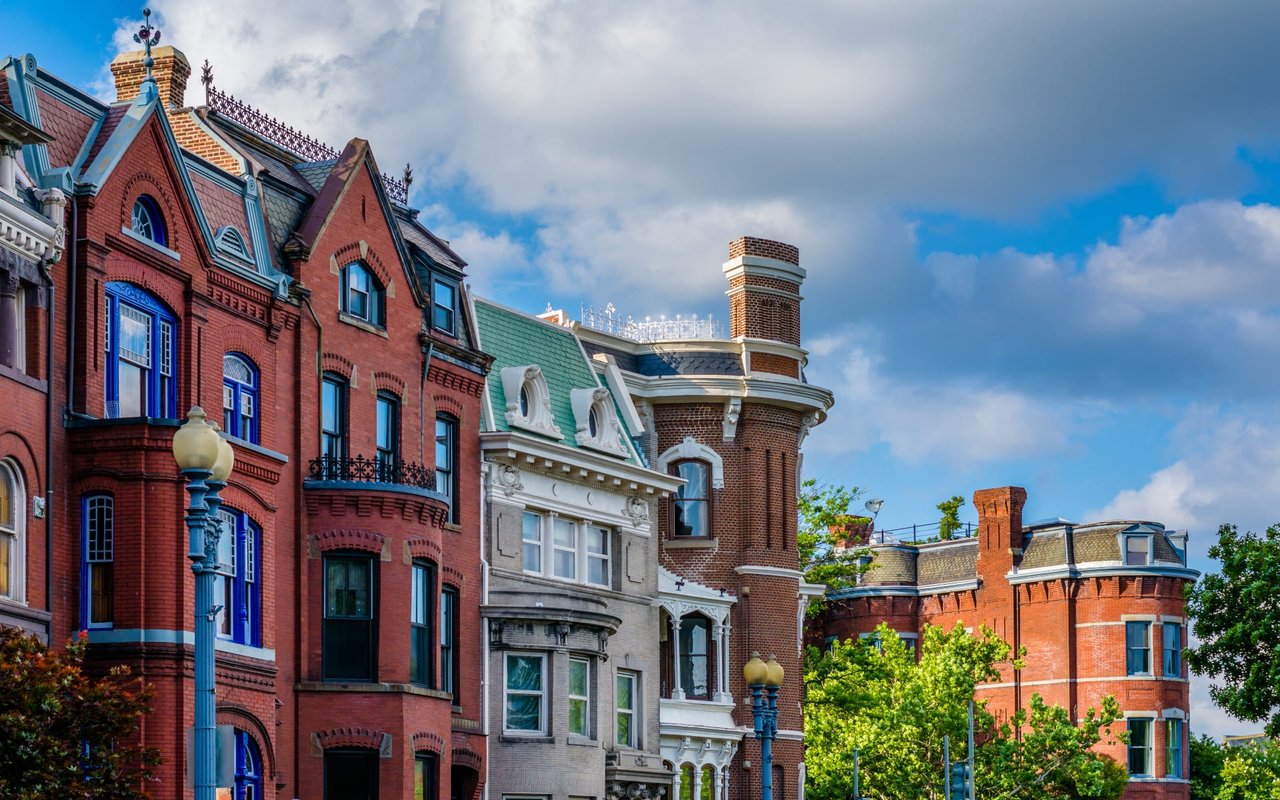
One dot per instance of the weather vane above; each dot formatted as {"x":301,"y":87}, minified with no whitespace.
{"x":147,"y":36}
{"x":206,"y":77}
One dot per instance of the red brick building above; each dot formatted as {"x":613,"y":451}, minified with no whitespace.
{"x":1099,"y":608}
{"x":221,"y":261}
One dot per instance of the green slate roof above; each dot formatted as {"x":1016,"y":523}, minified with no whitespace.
{"x":519,"y":340}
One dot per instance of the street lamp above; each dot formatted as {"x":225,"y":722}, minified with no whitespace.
{"x":206,"y":460}
{"x":764,"y":679}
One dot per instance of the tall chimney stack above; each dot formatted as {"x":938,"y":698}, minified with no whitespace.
{"x":764,"y":289}
{"x":170,"y":71}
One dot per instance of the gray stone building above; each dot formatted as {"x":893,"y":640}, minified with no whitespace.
{"x":571,"y":604}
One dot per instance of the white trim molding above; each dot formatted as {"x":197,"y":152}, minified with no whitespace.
{"x":691,"y":448}
{"x":539,"y":418}
{"x":608,"y":436}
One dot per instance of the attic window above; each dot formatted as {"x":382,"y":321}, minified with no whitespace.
{"x":529,"y":400}
{"x":147,"y":221}
{"x":1137,"y":549}
{"x":230,"y":241}
{"x":597,"y":424}
{"x":362,"y":296}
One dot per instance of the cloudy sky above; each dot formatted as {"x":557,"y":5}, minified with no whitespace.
{"x":1043,"y":240}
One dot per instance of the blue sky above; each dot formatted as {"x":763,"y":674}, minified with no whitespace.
{"x":1042,"y":240}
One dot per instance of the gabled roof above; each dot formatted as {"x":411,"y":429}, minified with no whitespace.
{"x":517,"y":340}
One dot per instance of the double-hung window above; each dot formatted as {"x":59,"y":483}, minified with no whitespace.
{"x":388,"y":435}
{"x":421,"y":615}
{"x":625,"y":703}
{"x":1140,"y":746}
{"x":597,"y":547}
{"x":695,"y":657}
{"x":426,"y":776}
{"x":691,"y":506}
{"x":1173,"y":734}
{"x":444,"y":302}
{"x":566,"y":549}
{"x":449,"y":654}
{"x":13,"y":512}
{"x":362,"y":296}
{"x":446,"y":462}
{"x":579,"y":697}
{"x":1137,"y":550}
{"x":239,"y":397}
{"x":349,"y":631}
{"x":97,"y":517}
{"x":237,"y":588}
{"x":1172,"y":650}
{"x":141,"y":345}
{"x":333,"y":423}
{"x":525,"y":706}
{"x":531,"y":537}
{"x":1137,"y":648}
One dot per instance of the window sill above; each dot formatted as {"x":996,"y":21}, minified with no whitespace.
{"x":256,"y":448}
{"x":376,"y":688}
{"x":149,"y":243}
{"x":453,"y":526}
{"x":692,"y":543}
{"x":17,"y":375}
{"x":532,"y":738}
{"x":362,"y":324}
{"x":582,"y":741}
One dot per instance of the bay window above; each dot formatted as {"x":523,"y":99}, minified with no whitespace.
{"x":349,"y":629}
{"x":236,"y":587}
{"x":579,"y":551}
{"x":141,"y":346}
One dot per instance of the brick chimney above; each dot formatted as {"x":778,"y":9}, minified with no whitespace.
{"x":999,"y":547}
{"x":171,"y":70}
{"x":764,"y":289}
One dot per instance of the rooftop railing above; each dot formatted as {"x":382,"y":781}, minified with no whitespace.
{"x":922,"y":534}
{"x":608,"y":320}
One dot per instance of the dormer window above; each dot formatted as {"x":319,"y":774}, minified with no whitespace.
{"x":1137,"y":550}
{"x":529,"y":401}
{"x":596,"y":421}
{"x":147,"y":221}
{"x":362,"y":296}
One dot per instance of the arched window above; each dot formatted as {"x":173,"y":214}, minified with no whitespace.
{"x":248,"y":768}
{"x":238,"y":582}
{"x":362,"y":296}
{"x":13,"y":523}
{"x":691,"y":505}
{"x":147,"y":221}
{"x":240,"y":397}
{"x":142,"y":354}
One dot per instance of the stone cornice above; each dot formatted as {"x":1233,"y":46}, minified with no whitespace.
{"x":27,"y":233}
{"x":582,"y":465}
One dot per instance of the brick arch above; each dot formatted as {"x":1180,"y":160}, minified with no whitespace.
{"x":466,"y":757}
{"x":388,"y":382}
{"x":145,"y":183}
{"x":246,"y":720}
{"x":341,"y":365}
{"x":422,"y":547}
{"x":96,"y":483}
{"x":237,"y":338}
{"x":348,"y":539}
{"x":369,"y":738}
{"x":449,"y":404}
{"x":243,"y":489}
{"x":363,"y":252}
{"x":15,"y":448}
{"x":428,"y":742}
{"x":455,"y":574}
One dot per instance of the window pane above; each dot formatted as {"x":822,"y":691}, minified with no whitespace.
{"x":522,"y":712}
{"x":6,"y":563}
{"x":624,"y":691}
{"x":597,"y":541}
{"x":565,"y":539}
{"x":135,"y":336}
{"x":347,"y":589}
{"x":695,"y":475}
{"x":132,"y":389}
{"x":1136,"y":549}
{"x":624,"y":730}
{"x":1173,"y":749}
{"x":691,"y":518}
{"x":532,"y":535}
{"x":694,"y":651}
{"x":1172,"y":649}
{"x":1137,"y":647}
{"x":578,"y":678}
{"x":524,"y":673}
{"x":1139,"y":746}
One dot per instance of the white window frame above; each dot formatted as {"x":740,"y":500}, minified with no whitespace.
{"x":541,"y":693}
{"x":583,"y":698}
{"x":582,"y":558}
{"x":1124,"y":551}
{"x":1149,"y":747}
{"x":633,"y":712}
{"x":17,"y":531}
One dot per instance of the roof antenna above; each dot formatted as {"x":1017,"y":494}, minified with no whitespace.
{"x":206,"y":77}
{"x":148,"y":36}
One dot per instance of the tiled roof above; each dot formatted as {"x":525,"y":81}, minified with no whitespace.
{"x":315,"y":172}
{"x":1096,"y":545}
{"x":893,"y":566}
{"x":1044,"y":549}
{"x":284,"y":212}
{"x":517,"y":340}
{"x":436,"y":248}
{"x":626,"y":361}
{"x":679,"y":362}
{"x":114,"y":116}
{"x":221,"y":207}
{"x":68,"y":127}
{"x":947,"y":563}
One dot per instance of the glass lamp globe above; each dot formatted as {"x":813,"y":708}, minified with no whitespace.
{"x":195,"y":445}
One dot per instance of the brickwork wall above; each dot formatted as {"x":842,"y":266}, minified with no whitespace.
{"x":775,"y":364}
{"x":766,"y":248}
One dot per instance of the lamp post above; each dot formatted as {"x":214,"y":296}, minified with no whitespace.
{"x":206,"y":461}
{"x":764,"y":679}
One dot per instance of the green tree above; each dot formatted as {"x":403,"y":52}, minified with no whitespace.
{"x":822,"y":507}
{"x":64,"y":734}
{"x":950,"y":522}
{"x":1206,"y":767}
{"x":1237,"y":620}
{"x":895,"y":709}
{"x":1251,"y":772}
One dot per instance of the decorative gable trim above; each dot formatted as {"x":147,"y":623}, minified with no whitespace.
{"x":229,"y":240}
{"x":537,"y":415}
{"x":607,"y":437}
{"x":690,"y":448}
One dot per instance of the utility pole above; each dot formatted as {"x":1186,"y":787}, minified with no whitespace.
{"x":972,"y":777}
{"x":857,"y":795}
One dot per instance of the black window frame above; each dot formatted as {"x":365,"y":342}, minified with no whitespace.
{"x":338,"y":630}
{"x":450,"y":630}
{"x":680,"y":497}
{"x":429,"y":787}
{"x":447,"y":476}
{"x":338,"y":763}
{"x":422,"y":622}
{"x":388,"y":451}
{"x":334,"y":442}
{"x":450,"y":323}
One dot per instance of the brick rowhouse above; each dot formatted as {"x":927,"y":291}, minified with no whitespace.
{"x":1098,"y":606}
{"x":312,"y":315}
{"x":728,"y":415}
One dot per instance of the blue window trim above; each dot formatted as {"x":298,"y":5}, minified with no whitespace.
{"x":377,"y":310}
{"x":155,"y":219}
{"x":161,"y":399}
{"x":248,"y":768}
{"x":246,"y":595}
{"x":86,"y":589}
{"x":239,"y":390}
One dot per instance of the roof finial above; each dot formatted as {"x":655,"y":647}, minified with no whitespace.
{"x":408,"y":178}
{"x":206,"y":77}
{"x":148,"y":36}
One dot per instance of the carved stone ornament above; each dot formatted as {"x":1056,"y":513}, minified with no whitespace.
{"x":638,"y":510}
{"x":732,"y":411}
{"x":509,"y":480}
{"x":635,"y":791}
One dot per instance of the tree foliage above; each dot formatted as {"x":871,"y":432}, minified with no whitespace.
{"x":1206,"y":767}
{"x":950,"y":522}
{"x":1251,"y":772}
{"x":896,"y":709}
{"x":820,"y":508}
{"x":1237,"y":619}
{"x":64,"y":734}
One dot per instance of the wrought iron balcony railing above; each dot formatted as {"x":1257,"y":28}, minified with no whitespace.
{"x":371,"y":470}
